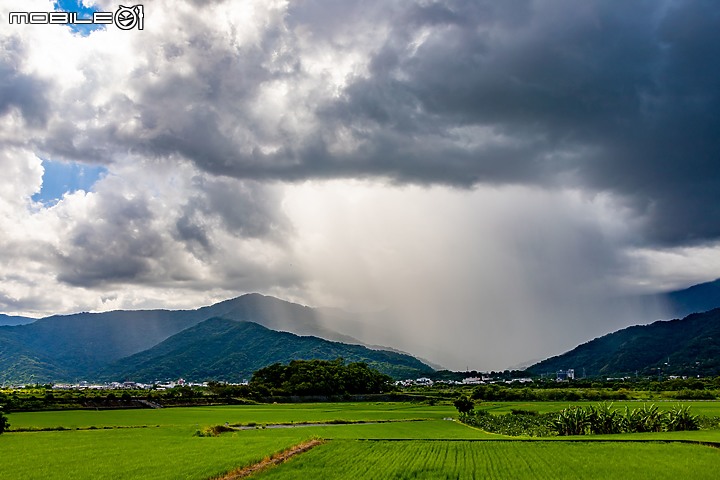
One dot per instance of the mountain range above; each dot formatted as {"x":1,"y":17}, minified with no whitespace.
{"x":231,"y":339}
{"x":251,"y":331}
{"x":690,"y":346}
{"x":9,"y":320}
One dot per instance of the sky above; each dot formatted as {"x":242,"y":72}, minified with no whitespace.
{"x":483,"y":183}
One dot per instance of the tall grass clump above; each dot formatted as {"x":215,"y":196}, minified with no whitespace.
{"x":604,"y":419}
{"x":573,"y":421}
{"x":679,"y":418}
{"x":213,"y":431}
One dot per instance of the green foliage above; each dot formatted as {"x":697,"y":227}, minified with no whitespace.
{"x":520,"y":411}
{"x":464,"y":405}
{"x":679,"y":418}
{"x":518,"y":424}
{"x":572,"y":421}
{"x":319,"y":377}
{"x":4,"y":424}
{"x":705,"y":422}
{"x":593,"y":419}
{"x":541,"y":393}
{"x":644,"y":419}
{"x":213,"y":431}
{"x":687,"y":394}
{"x":604,"y":419}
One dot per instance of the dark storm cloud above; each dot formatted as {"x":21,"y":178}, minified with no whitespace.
{"x":606,"y":96}
{"x":245,"y":209}
{"x":248,"y":209}
{"x":545,"y":82}
{"x":17,"y":90}
{"x":620,"y":98}
{"x":192,"y":232}
{"x":116,"y":244}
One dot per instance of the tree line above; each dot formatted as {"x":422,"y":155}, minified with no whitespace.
{"x":319,"y":377}
{"x":298,"y":378}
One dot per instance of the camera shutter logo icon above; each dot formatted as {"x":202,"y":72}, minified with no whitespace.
{"x":127,"y":18}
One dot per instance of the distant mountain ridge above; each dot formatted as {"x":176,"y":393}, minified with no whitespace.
{"x":12,"y":320}
{"x":80,"y":346}
{"x":694,"y":299}
{"x":690,"y":346}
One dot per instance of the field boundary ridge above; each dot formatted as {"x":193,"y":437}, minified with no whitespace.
{"x":274,"y":459}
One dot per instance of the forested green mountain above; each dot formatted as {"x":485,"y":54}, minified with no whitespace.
{"x":77,"y":347}
{"x":229,"y":350}
{"x":690,"y":346}
{"x":68,"y":347}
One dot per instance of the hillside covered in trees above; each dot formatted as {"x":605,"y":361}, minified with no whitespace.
{"x":690,"y":346}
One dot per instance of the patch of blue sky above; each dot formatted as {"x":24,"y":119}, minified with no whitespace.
{"x":84,"y":10}
{"x":66,"y":177}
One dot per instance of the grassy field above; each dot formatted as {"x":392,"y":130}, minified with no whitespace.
{"x":500,"y":460}
{"x":427,"y":429}
{"x":152,"y":453}
{"x":287,"y":413}
{"x":260,"y":414}
{"x":160,"y":444}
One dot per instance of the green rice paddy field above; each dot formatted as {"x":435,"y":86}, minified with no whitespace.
{"x":475,"y":460}
{"x":416,"y":443}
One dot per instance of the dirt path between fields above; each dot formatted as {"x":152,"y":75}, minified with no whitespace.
{"x":275,"y":459}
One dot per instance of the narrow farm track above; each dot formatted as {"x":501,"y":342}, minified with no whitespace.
{"x":275,"y":459}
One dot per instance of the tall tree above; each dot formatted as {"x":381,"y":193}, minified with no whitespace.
{"x":464,"y":405}
{"x":3,"y":423}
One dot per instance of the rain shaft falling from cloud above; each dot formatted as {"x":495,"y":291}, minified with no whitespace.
{"x":485,"y":277}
